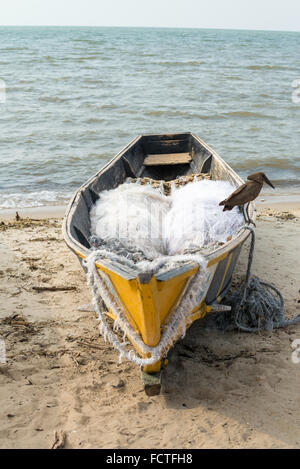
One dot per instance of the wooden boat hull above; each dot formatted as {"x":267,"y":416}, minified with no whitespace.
{"x":150,"y":300}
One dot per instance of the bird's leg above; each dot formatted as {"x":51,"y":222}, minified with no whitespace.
{"x":245,"y":213}
{"x":248,"y":219}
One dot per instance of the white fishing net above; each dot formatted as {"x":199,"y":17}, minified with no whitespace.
{"x":134,"y":215}
{"x":145,"y":220}
{"x":196,"y":220}
{"x":140,"y":227}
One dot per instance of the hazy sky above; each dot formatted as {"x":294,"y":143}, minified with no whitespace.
{"x":240,"y":14}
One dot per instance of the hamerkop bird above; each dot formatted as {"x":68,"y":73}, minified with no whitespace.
{"x":246,"y":193}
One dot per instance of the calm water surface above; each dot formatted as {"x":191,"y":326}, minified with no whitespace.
{"x":76,"y":96}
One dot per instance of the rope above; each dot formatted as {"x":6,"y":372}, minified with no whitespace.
{"x":101,"y":289}
{"x":259,"y":305}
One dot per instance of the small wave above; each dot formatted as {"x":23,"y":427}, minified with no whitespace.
{"x":254,"y":129}
{"x":88,"y":57}
{"x":33,"y":199}
{"x":289,"y":183}
{"x":24,"y":82}
{"x":21,"y":88}
{"x":248,"y":114}
{"x":109,"y":106}
{"x":95,"y":120}
{"x":266,"y":67}
{"x":168,"y":113}
{"x":263,"y":105}
{"x":87,"y":41}
{"x":51,"y":99}
{"x":14,"y":49}
{"x":160,"y":113}
{"x":281,"y":163}
{"x":91,"y":58}
{"x":94,"y":81}
{"x":265,"y":95}
{"x":57,"y":99}
{"x":233,"y":77}
{"x":193,"y":63}
{"x":194,"y":115}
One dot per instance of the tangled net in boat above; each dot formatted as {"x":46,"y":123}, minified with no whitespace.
{"x":167,"y":186}
{"x":138,"y":220}
{"x":153,"y":226}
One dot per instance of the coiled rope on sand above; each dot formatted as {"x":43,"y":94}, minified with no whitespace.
{"x":258,"y":305}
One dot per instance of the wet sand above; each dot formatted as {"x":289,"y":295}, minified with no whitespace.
{"x":220,"y":390}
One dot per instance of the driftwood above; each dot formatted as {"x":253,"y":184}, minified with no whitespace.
{"x":86,"y":344}
{"x":44,"y":239}
{"x":59,"y":440}
{"x":53,"y":288}
{"x":75,"y":361}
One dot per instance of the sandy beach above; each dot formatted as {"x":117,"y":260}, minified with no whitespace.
{"x":220,"y":390}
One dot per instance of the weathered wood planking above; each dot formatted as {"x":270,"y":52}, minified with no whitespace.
{"x":167,"y":159}
{"x":180,"y":143}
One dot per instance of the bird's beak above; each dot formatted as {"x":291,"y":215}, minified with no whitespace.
{"x":268,"y":182}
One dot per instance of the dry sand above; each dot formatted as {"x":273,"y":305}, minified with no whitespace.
{"x":220,"y":390}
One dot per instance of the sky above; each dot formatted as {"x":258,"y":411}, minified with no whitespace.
{"x":281,"y":15}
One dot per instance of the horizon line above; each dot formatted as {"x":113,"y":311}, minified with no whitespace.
{"x":142,"y":27}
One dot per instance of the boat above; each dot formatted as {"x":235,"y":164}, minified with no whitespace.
{"x":150,"y":300}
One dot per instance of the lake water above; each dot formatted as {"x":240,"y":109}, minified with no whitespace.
{"x":75,"y":96}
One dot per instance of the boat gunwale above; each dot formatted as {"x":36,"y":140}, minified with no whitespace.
{"x":211,"y":257}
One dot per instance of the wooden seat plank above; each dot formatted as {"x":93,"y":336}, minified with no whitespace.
{"x":167,"y":159}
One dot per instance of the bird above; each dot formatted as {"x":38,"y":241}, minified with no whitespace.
{"x":247,"y":192}
{"x":18,"y":218}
